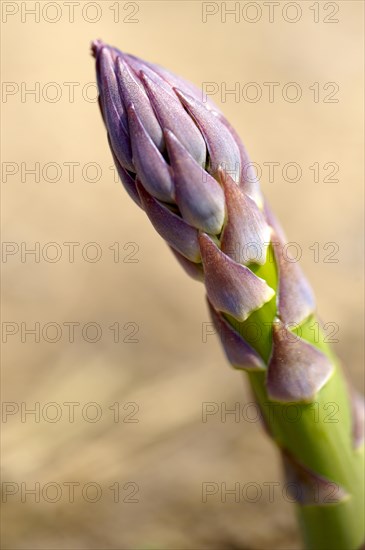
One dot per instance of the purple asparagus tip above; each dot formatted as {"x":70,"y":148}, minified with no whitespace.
{"x":96,"y":45}
{"x":143,"y":107}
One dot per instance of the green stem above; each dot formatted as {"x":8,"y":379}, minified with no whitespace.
{"x":325,"y":447}
{"x":318,"y":435}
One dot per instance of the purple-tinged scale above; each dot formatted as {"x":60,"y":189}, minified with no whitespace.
{"x":107,"y":80}
{"x":222,"y":147}
{"x":231,"y":287}
{"x":295,"y":296}
{"x":172,"y":116}
{"x":240,"y":354}
{"x":127,"y":180}
{"x":176,"y":232}
{"x":309,"y":488}
{"x":249,"y":182}
{"x":133,"y":93}
{"x":138,"y":66}
{"x":171,"y":79}
{"x":194,"y":270}
{"x":246,"y":235}
{"x":297,"y":370}
{"x":358,"y":418}
{"x":151,"y":167}
{"x":199,"y":197}
{"x":114,"y":112}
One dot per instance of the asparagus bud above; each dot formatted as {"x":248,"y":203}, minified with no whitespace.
{"x":182,"y":162}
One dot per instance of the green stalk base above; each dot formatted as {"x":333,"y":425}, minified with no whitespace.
{"x":319,"y":437}
{"x":321,"y":440}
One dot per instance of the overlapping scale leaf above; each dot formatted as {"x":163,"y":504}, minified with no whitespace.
{"x":297,"y":370}
{"x":246,"y":234}
{"x":176,"y":232}
{"x":138,"y":66}
{"x":358,"y":418}
{"x":172,"y":116}
{"x":231,"y":287}
{"x":127,"y":180}
{"x":249,"y":181}
{"x":134,"y":94}
{"x":222,"y":147}
{"x":308,"y":488}
{"x":191,"y":181}
{"x":240,"y":354}
{"x":172,"y":80}
{"x":114,"y":112}
{"x":295,"y":296}
{"x":151,"y":167}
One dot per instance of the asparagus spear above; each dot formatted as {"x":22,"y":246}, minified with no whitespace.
{"x":182,"y":162}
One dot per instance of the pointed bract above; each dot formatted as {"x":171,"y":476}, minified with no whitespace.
{"x":297,"y":370}
{"x":308,"y":488}
{"x":108,"y":84}
{"x":179,"y":234}
{"x":295,"y":296}
{"x":134,"y":94}
{"x":358,"y":418}
{"x":172,"y":116}
{"x":249,"y":182}
{"x":238,"y":352}
{"x":246,"y":235}
{"x":114,"y":112}
{"x":231,"y":287}
{"x":140,"y":66}
{"x":127,"y":180}
{"x":171,"y":79}
{"x":199,"y":196}
{"x":222,"y":147}
{"x":151,"y":167}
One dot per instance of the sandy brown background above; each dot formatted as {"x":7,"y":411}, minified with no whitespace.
{"x":169,"y":372}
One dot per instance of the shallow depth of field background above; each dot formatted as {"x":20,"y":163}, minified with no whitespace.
{"x":169,"y":372}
